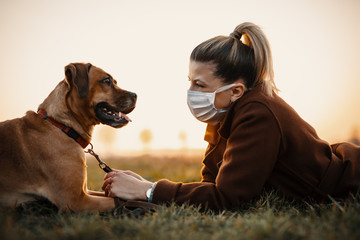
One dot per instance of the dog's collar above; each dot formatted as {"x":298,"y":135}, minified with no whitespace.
{"x":67,"y":130}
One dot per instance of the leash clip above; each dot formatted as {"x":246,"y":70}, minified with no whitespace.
{"x":102,"y":164}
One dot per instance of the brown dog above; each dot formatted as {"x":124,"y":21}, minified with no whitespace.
{"x":41,"y":154}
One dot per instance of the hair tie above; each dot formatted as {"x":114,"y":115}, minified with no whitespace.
{"x":236,"y":35}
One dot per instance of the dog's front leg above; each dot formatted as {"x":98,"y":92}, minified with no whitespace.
{"x":96,"y":193}
{"x":89,"y":203}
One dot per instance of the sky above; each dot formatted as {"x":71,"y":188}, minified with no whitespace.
{"x":145,"y":46}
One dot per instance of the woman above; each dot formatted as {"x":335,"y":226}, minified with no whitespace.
{"x":255,"y":138}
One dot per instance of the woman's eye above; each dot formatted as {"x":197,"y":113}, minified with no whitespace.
{"x":107,"y":81}
{"x":198,"y":85}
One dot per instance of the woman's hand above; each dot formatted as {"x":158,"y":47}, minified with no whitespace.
{"x":126,"y":185}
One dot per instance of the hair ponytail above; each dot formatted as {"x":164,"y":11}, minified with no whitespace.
{"x":255,"y":38}
{"x":244,"y":54}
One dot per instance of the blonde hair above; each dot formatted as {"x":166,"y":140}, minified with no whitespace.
{"x":244,"y":54}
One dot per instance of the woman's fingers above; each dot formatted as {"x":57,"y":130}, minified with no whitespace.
{"x":128,"y":172}
{"x":131,"y":173}
{"x":107,"y":186}
{"x":112,"y":173}
{"x":108,"y":190}
{"x":108,"y":175}
{"x":106,"y":183}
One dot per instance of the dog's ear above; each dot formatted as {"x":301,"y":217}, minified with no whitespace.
{"x":78,"y":74}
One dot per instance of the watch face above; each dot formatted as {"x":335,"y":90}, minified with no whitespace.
{"x":148,"y":192}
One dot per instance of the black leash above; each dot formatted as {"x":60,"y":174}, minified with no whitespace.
{"x":102,"y":164}
{"x":105,"y":168}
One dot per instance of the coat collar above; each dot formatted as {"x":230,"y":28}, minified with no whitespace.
{"x":223,"y":129}
{"x":211,"y":134}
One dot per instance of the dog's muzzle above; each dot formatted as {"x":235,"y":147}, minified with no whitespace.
{"x":112,"y":116}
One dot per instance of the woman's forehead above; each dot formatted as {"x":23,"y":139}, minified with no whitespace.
{"x":202,"y":66}
{"x":201,"y":71}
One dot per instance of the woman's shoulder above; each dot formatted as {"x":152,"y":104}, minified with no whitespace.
{"x":256,"y":103}
{"x":253,"y":109}
{"x":256,"y":97}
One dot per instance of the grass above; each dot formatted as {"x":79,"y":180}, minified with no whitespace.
{"x":269,"y":217}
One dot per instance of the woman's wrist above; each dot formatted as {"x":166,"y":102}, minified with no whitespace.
{"x":142,"y":194}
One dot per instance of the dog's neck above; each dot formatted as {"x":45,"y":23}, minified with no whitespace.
{"x":58,"y":108}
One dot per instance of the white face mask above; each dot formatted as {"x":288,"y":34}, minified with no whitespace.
{"x":202,"y":105}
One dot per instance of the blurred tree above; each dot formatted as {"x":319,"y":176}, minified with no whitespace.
{"x":107,"y":135}
{"x":183,"y":139}
{"x":146,"y":137}
{"x":354,"y":137}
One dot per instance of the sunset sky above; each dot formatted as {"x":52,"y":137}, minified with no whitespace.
{"x":145,"y":46}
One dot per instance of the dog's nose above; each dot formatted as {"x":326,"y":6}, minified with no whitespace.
{"x":133,"y":95}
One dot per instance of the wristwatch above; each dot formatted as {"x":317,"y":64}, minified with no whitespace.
{"x":149,"y":193}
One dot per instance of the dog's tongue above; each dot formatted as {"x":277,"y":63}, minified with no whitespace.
{"x":126,"y":117}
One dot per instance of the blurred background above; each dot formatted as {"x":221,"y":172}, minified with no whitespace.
{"x":145,"y":46}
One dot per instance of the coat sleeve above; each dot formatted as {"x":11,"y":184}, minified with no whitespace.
{"x":249,"y":158}
{"x":206,"y":175}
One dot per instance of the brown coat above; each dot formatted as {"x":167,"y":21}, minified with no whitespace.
{"x":264,"y":142}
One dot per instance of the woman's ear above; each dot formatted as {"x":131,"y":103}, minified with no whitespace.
{"x":237,"y":91}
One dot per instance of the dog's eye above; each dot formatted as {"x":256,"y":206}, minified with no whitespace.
{"x":107,"y":81}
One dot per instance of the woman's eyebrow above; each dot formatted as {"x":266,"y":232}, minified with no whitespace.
{"x":196,"y":80}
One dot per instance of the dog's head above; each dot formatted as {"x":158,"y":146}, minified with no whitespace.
{"x":97,"y":95}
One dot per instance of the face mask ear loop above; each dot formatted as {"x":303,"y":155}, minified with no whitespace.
{"x":221,"y":89}
{"x":224,"y":88}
